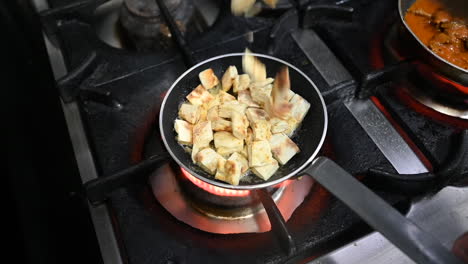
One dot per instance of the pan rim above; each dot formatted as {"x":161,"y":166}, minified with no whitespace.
{"x":252,"y":186}
{"x":402,"y":19}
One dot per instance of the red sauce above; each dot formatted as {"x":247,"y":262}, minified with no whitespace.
{"x":441,"y":28}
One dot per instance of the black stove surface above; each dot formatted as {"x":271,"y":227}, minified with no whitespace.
{"x":118,"y":127}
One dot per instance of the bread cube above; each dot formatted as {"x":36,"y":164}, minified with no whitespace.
{"x":226,"y":152}
{"x":201,"y":137}
{"x":226,"y":140}
{"x":283,"y":148}
{"x":281,"y":87}
{"x":266,"y":171}
{"x":226,"y":109}
{"x":225,"y":97}
{"x":261,"y":130}
{"x":241,"y":83}
{"x":184,"y":131}
{"x":208,"y":78}
{"x":199,"y":96}
{"x":221,"y":124}
{"x":240,"y":159}
{"x":292,"y":125}
{"x":278,"y":125}
{"x":259,"y":153}
{"x":202,"y":133}
{"x":239,"y":125}
{"x":203,"y":114}
{"x":215,"y":102}
{"x":212,"y":114}
{"x":245,"y":98}
{"x":300,"y":107}
{"x":207,"y":158}
{"x":255,"y":114}
{"x":189,"y":112}
{"x":261,"y":94}
{"x":261,"y":84}
{"x":232,"y":170}
{"x":228,"y":78}
{"x":253,"y":67}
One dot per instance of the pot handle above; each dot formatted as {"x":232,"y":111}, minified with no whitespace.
{"x":97,"y":190}
{"x":420,"y":246}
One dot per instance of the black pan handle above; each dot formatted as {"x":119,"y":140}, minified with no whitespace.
{"x":97,"y":190}
{"x":420,"y":246}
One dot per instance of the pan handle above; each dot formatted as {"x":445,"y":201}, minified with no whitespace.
{"x":420,"y":246}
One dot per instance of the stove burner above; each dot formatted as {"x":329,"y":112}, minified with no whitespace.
{"x":139,"y":24}
{"x":144,"y":24}
{"x":432,"y":82}
{"x":244,"y":215}
{"x":214,"y":189}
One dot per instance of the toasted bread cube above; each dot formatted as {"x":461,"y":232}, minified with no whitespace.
{"x":208,"y":160}
{"x":202,"y":133}
{"x":266,"y":171}
{"x":224,"y":139}
{"x":281,"y":87}
{"x":239,"y":7}
{"x":259,"y":153}
{"x":278,"y":125}
{"x":221,"y":171}
{"x":203,"y":114}
{"x":261,"y":94}
{"x":226,"y":109}
{"x":232,"y":170}
{"x":283,"y":148}
{"x":184,"y":132}
{"x":208,"y":78}
{"x":228,"y":78}
{"x":221,"y":124}
{"x":239,"y":125}
{"x":213,"y":114}
{"x":292,"y":125}
{"x":253,"y":67}
{"x":199,"y":96}
{"x":240,"y":159}
{"x":201,"y":137}
{"x":241,"y":83}
{"x":226,"y":152}
{"x":261,"y":130}
{"x":215,"y":102}
{"x":189,"y":112}
{"x":300,"y":107}
{"x":245,"y":98}
{"x":195,"y":149}
{"x":225,"y":97}
{"x":255,"y":114}
{"x":263,"y":83}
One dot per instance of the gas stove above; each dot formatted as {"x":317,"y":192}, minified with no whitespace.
{"x":114,"y":60}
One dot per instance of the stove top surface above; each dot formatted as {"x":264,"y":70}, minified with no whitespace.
{"x":121,"y":92}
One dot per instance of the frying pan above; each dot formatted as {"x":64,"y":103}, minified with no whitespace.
{"x":437,"y":63}
{"x":417,"y":244}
